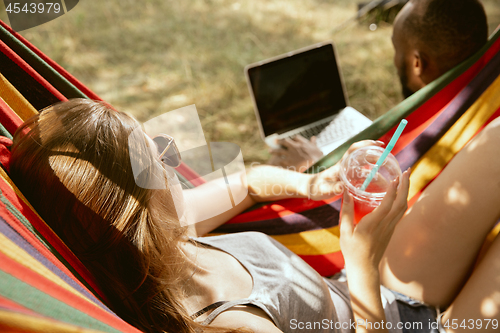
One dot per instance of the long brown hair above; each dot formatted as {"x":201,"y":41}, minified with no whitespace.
{"x":72,"y":162}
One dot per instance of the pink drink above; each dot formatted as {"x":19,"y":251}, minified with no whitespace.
{"x":363,"y":206}
{"x":353,"y":172}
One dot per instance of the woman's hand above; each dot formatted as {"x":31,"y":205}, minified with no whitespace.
{"x":268,"y":183}
{"x":364,"y":245}
{"x":327,"y":184}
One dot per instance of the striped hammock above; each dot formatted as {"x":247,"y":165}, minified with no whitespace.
{"x":45,"y":288}
{"x":442,"y":118}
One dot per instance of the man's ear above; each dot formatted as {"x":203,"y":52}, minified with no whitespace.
{"x":425,"y":67}
{"x":420,"y":63}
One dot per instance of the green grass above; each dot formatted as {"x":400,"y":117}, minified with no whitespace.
{"x":150,"y":57}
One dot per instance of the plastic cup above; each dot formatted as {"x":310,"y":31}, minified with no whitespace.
{"x":356,"y":167}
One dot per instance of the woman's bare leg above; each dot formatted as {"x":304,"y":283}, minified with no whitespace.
{"x":478,"y":303}
{"x":435,"y":244}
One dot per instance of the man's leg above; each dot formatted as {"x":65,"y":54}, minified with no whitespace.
{"x":435,"y":244}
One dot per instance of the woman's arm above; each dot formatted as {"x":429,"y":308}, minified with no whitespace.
{"x":363,"y":247}
{"x":209,"y":206}
{"x":268,"y":183}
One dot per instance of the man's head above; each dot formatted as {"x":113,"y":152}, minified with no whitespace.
{"x":432,"y":36}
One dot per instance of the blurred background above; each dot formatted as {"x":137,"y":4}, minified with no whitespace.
{"x":153,"y":56}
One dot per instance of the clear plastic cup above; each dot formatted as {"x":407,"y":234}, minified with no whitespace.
{"x":354,"y":170}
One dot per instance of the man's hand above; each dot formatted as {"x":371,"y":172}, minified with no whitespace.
{"x":298,"y":153}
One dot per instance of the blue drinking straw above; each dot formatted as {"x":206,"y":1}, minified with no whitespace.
{"x":384,"y":155}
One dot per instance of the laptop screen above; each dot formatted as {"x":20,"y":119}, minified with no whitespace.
{"x":297,"y":90}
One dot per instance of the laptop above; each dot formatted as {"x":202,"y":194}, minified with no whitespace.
{"x":302,"y":92}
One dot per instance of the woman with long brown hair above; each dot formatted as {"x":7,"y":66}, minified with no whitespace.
{"x":75,"y":164}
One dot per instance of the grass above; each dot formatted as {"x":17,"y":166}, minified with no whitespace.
{"x":150,"y":57}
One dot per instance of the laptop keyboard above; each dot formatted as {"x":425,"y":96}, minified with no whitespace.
{"x":313,"y":131}
{"x":327,"y":132}
{"x":343,"y":128}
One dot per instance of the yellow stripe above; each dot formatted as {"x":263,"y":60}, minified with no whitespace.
{"x":13,"y":113}
{"x":7,"y":179}
{"x":492,"y":235}
{"x":17,"y":254}
{"x":313,"y":242}
{"x":16,"y":322}
{"x":455,"y":139}
{"x":15,"y":100}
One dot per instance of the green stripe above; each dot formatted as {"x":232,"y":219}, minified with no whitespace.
{"x":44,"y":304}
{"x":390,"y":119}
{"x":21,"y":218}
{"x":4,"y":132}
{"x":39,"y":65}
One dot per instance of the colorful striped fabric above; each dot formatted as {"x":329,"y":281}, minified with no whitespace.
{"x":45,"y":288}
{"x":442,"y":118}
{"x":41,"y":281}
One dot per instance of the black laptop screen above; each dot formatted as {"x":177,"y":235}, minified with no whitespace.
{"x":297,"y":90}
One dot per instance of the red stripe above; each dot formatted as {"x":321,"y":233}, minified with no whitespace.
{"x":411,"y":133}
{"x":191,"y":175}
{"x":53,"y":64}
{"x":53,"y":290}
{"x":48,"y":234}
{"x":28,"y":69}
{"x":8,"y":118}
{"x":4,"y":154}
{"x":325,"y":264}
{"x":279,"y":209}
{"x":8,"y":304}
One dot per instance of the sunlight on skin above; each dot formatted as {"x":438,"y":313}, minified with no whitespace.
{"x":457,"y":195}
{"x":489,"y":306}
